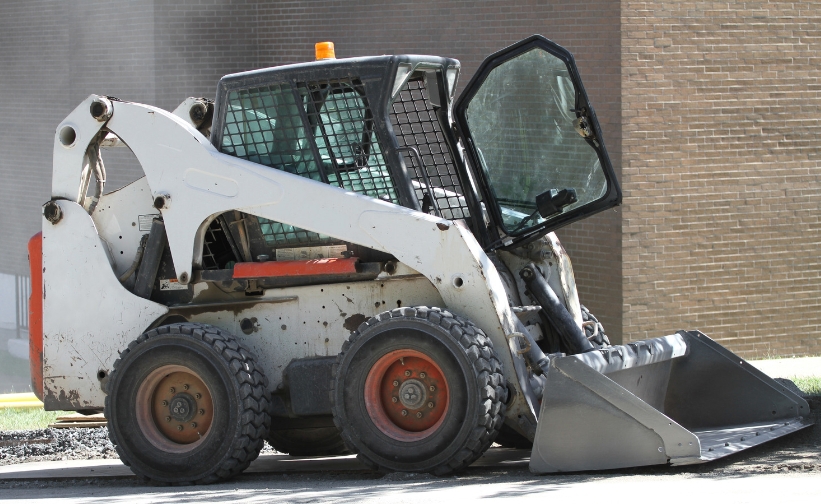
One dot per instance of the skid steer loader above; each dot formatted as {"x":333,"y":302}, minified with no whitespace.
{"x":337,"y":256}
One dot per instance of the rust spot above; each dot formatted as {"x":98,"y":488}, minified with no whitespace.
{"x":443,"y":226}
{"x":354,"y":321}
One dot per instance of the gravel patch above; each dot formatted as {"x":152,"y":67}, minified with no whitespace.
{"x":19,"y":447}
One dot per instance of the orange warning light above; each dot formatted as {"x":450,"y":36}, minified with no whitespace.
{"x":324,"y":50}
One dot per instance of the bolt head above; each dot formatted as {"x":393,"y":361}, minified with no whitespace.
{"x":394,"y":399}
{"x":396,"y":383}
{"x":194,"y":424}
{"x":407,"y":373}
{"x":432,"y":388}
{"x":186,"y":386}
{"x":202,"y":412}
{"x":173,"y":390}
{"x":168,"y":419}
{"x":198,"y":396}
{"x":404,"y":412}
{"x":419,"y":414}
{"x":179,"y":427}
{"x":430,"y":405}
{"x":422,"y":374}
{"x":165,"y":403}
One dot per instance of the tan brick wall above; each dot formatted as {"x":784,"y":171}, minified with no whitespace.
{"x":721,"y":124}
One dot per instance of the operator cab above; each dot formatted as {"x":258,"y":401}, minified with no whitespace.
{"x":387,"y":127}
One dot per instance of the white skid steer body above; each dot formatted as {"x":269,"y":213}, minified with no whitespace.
{"x":126,"y":272}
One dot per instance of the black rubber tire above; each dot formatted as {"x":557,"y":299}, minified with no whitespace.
{"x":477,"y":390}
{"x":308,"y":442}
{"x":240,"y":398}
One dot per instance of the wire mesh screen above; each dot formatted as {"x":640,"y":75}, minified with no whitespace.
{"x":349,"y":150}
{"x":264,"y":125}
{"x":418,"y":130}
{"x":274,"y":126}
{"x":279,"y":234}
{"x":216,"y":253}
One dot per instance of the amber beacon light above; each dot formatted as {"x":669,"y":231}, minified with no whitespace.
{"x":324,"y":51}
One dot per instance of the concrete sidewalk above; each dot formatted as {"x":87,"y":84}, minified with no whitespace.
{"x":795,"y":367}
{"x":266,"y":463}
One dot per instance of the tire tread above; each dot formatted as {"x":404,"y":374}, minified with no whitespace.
{"x":487,"y":370}
{"x":253,"y":396}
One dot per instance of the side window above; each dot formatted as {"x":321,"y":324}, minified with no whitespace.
{"x":269,"y":125}
{"x":341,"y":135}
{"x":349,"y":150}
{"x":264,"y":125}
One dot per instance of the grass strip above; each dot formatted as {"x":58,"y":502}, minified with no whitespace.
{"x":12,"y":419}
{"x":810,"y":385}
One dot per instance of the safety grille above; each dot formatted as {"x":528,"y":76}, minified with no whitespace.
{"x":264,"y":125}
{"x":216,"y":251}
{"x":279,"y":234}
{"x":349,"y":150}
{"x":287,"y":129}
{"x":418,"y":131}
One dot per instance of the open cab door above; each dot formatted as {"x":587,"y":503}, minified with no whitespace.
{"x":534,"y":142}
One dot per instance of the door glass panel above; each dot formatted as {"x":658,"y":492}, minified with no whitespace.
{"x":522,"y":123}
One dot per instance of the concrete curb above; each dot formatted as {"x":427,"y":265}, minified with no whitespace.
{"x":26,"y":400}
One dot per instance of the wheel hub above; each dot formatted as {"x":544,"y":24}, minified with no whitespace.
{"x":174,"y":408}
{"x":412,"y":394}
{"x":406,"y":395}
{"x":182,"y":407}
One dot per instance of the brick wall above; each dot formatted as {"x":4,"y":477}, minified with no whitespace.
{"x":34,"y":79}
{"x":721,"y":135}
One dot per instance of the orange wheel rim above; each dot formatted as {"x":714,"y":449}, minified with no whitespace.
{"x":174,"y":409}
{"x":406,"y":395}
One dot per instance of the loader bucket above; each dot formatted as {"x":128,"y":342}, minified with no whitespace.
{"x":680,"y":399}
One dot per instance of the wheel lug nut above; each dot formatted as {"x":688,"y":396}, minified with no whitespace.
{"x":194,"y":424}
{"x":404,"y":412}
{"x":393,"y":399}
{"x":430,"y":405}
{"x":173,"y":390}
{"x":396,"y":383}
{"x":407,"y":373}
{"x":165,"y":403}
{"x":419,"y":415}
{"x":202,"y":412}
{"x":186,"y":387}
{"x":168,"y":419}
{"x":198,"y":396}
{"x":432,"y":388}
{"x":179,"y":427}
{"x":422,"y":374}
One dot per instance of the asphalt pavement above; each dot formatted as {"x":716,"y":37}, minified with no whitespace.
{"x":501,"y":474}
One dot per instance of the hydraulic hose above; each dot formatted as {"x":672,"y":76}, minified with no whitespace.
{"x":96,"y":162}
{"x":137,"y":258}
{"x":571,"y":335}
